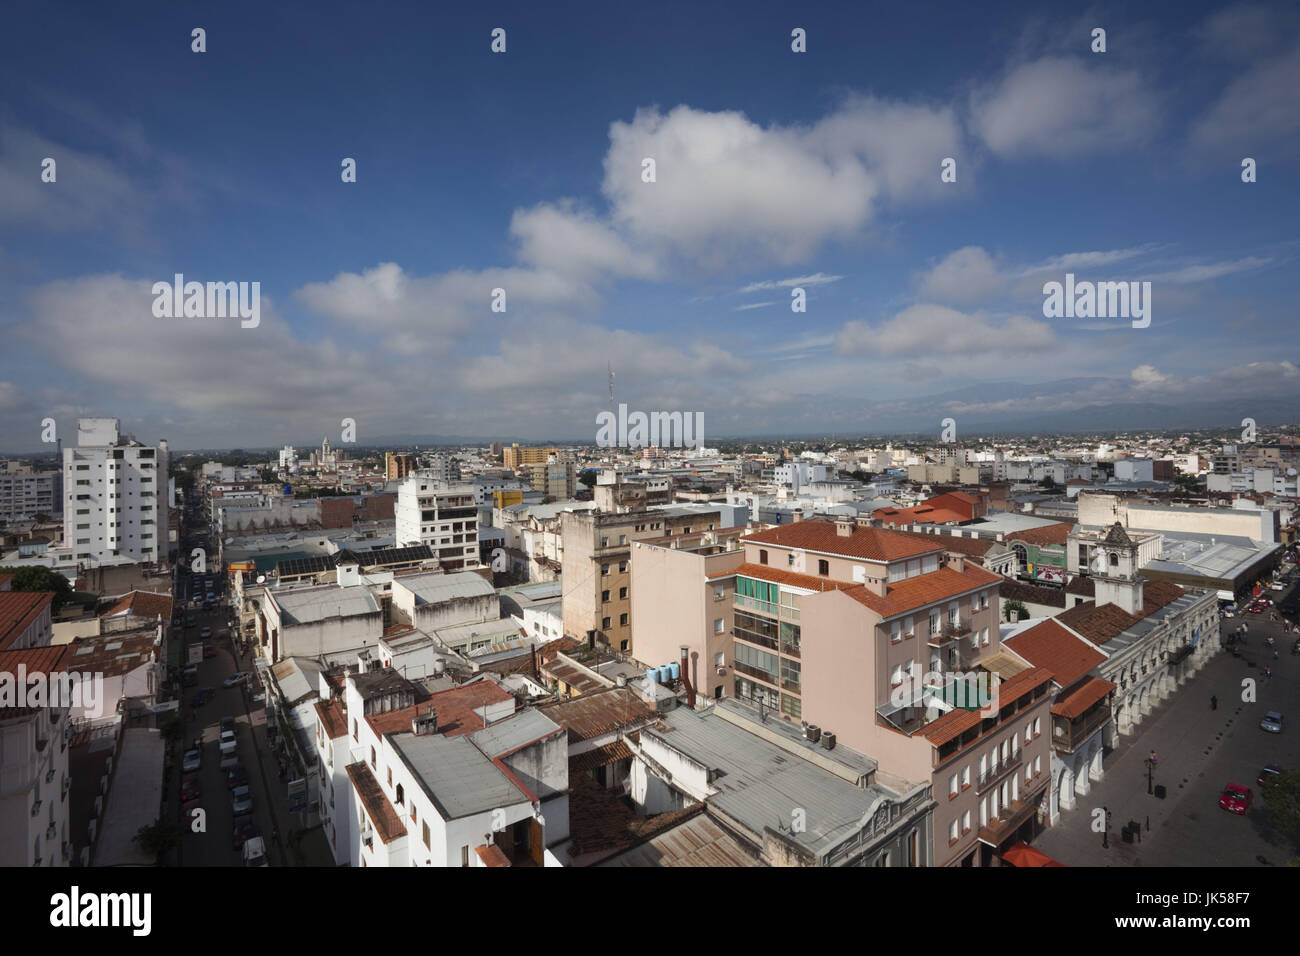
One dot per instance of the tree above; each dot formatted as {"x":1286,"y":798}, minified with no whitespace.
{"x":1281,"y":794}
{"x":1017,"y":606}
{"x":42,"y":579}
{"x":157,"y":838}
{"x":588,"y":478}
{"x":1048,"y":482}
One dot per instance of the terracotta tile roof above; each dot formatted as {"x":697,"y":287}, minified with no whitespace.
{"x":941,"y":585}
{"x":492,"y":855}
{"x":600,"y":757}
{"x":143,"y":604}
{"x":1052,"y":646}
{"x":18,"y":609}
{"x":381,"y":812}
{"x":455,"y":709}
{"x":872,"y":544}
{"x":921,"y":514}
{"x":599,"y":820}
{"x":35,"y":660}
{"x":599,"y":713}
{"x":332,"y":718}
{"x":1081,"y":699}
{"x":1047,"y":535}
{"x":765,"y":572}
{"x":1100,"y":624}
{"x":1082,"y":586}
{"x":1032,"y":593}
{"x":956,"y":722}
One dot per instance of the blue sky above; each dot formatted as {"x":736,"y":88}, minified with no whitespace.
{"x":523,"y":171}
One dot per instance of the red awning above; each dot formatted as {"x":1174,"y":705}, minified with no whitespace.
{"x":1023,"y":855}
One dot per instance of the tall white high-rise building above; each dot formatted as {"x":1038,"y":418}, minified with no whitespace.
{"x":115,"y":496}
{"x":441,"y":515}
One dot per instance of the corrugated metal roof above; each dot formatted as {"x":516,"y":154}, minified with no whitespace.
{"x":456,"y":774}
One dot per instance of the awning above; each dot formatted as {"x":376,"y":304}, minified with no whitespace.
{"x":1022,"y":854}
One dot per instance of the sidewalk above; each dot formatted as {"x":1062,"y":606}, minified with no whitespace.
{"x":311,"y":849}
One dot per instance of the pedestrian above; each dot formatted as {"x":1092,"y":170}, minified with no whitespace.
{"x":1155,"y":757}
{"x":1214,"y":702}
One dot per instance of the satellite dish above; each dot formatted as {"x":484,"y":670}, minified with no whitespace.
{"x":261,"y":579}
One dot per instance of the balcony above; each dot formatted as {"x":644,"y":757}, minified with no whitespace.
{"x":992,"y":776}
{"x":751,"y":638}
{"x":755,"y":673}
{"x":1010,"y":818}
{"x":789,"y":650}
{"x":1067,"y":737}
{"x":791,"y":685}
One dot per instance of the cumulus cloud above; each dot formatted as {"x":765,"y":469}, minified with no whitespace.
{"x":563,"y":239}
{"x":729,"y":190}
{"x":967,"y":275}
{"x":937,"y":329}
{"x":1147,"y":376}
{"x":1065,"y":106}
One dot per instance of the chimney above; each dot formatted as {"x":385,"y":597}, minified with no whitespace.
{"x":844,"y":527}
{"x":686,"y":678}
{"x":425,"y":723}
{"x":591,"y":640}
{"x":957,"y":562}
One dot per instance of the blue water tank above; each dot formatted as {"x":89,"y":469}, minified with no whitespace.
{"x":652,"y":674}
{"x":288,"y":489}
{"x":674,"y":670}
{"x":663,"y":674}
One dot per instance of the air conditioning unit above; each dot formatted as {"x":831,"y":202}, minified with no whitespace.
{"x":812,"y":733}
{"x":722,"y":671}
{"x":828,"y":741}
{"x":51,"y":832}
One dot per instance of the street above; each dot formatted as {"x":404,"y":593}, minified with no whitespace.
{"x":1200,"y":751}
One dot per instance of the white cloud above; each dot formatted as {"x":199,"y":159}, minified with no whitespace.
{"x":1256,"y":111}
{"x":1212,"y":270}
{"x":817,"y":278}
{"x":1147,"y":376}
{"x":1062,"y":107}
{"x":939,"y":330}
{"x":730,"y":191}
{"x":967,"y":275}
{"x":752,"y":305}
{"x":565,"y":240}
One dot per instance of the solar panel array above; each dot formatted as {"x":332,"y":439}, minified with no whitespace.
{"x":382,"y":557}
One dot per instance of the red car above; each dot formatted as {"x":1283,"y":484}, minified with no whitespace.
{"x":209,"y":651}
{"x":1236,"y":798}
{"x":189,"y":791}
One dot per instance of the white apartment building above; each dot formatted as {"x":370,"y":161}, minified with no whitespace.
{"x":25,"y":493}
{"x":452,"y":779}
{"x":441,"y":515}
{"x":115,"y":496}
{"x":34,"y":779}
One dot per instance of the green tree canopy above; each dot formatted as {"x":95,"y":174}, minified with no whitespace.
{"x":41,"y":579}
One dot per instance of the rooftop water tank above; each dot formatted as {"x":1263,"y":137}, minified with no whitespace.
{"x":663,"y":674}
{"x":674,"y":670}
{"x":652,"y":674}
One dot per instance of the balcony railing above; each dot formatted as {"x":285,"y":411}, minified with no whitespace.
{"x":752,"y":638}
{"x":789,"y":650}
{"x":755,"y":672}
{"x":1066,"y":738}
{"x":790,"y":685}
{"x":995,"y":773}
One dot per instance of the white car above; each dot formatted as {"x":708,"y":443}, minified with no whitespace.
{"x":229,"y":743}
{"x":1272,"y":722}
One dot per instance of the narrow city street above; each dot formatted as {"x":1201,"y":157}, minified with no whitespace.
{"x":1200,"y":750}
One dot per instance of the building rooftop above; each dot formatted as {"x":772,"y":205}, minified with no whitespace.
{"x":311,"y":605}
{"x":698,"y":841}
{"x":497,"y":632}
{"x":760,"y":785}
{"x":912,"y":593}
{"x":388,"y":824}
{"x":113,"y":654}
{"x":458,"y":777}
{"x":18,"y":609}
{"x":1051,"y":646}
{"x":436,"y":588}
{"x":519,"y":730}
{"x":599,"y":713}
{"x":871,"y":544}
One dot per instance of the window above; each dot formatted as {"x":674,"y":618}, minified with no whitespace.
{"x":1038,"y":765}
{"x":762,"y":557}
{"x":604,"y":596}
{"x":965,"y":776}
{"x":622,"y":567}
{"x":952,"y":786}
{"x":965,"y":822}
{"x":604,"y":623}
{"x":1037,"y":726}
{"x":896,"y":631}
{"x":427,"y":844}
{"x":622,"y":593}
{"x":390,"y":776}
{"x":914,"y":848}
{"x":984,"y":600}
{"x":934,"y":622}
{"x":354,"y":729}
{"x":985,"y":632}
{"x":372,"y":759}
{"x":974,"y":603}
{"x":604,"y":569}
{"x":719,"y":592}
{"x":464,"y":855}
{"x":952,"y":831}
{"x":720,"y":659}
{"x":908,"y":630}
{"x":622,"y":620}
{"x":401,"y":799}
{"x":823,"y":568}
{"x":1029,"y":731}
{"x":719,"y":625}
{"x":954,"y":614}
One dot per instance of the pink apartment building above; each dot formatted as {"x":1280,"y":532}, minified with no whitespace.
{"x":825,"y":622}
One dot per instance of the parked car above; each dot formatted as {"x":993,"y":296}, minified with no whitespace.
{"x":241,"y":799}
{"x":193,"y":760}
{"x":1270,"y":772}
{"x":1236,"y":798}
{"x":190,"y":676}
{"x":236,"y":776}
{"x":229,"y":761}
{"x":205,"y":633}
{"x":190,"y":792}
{"x":241,"y":830}
{"x":189,"y":778}
{"x":1272,"y":722}
{"x":228,"y":723}
{"x":234,"y":679}
{"x":227,"y":742}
